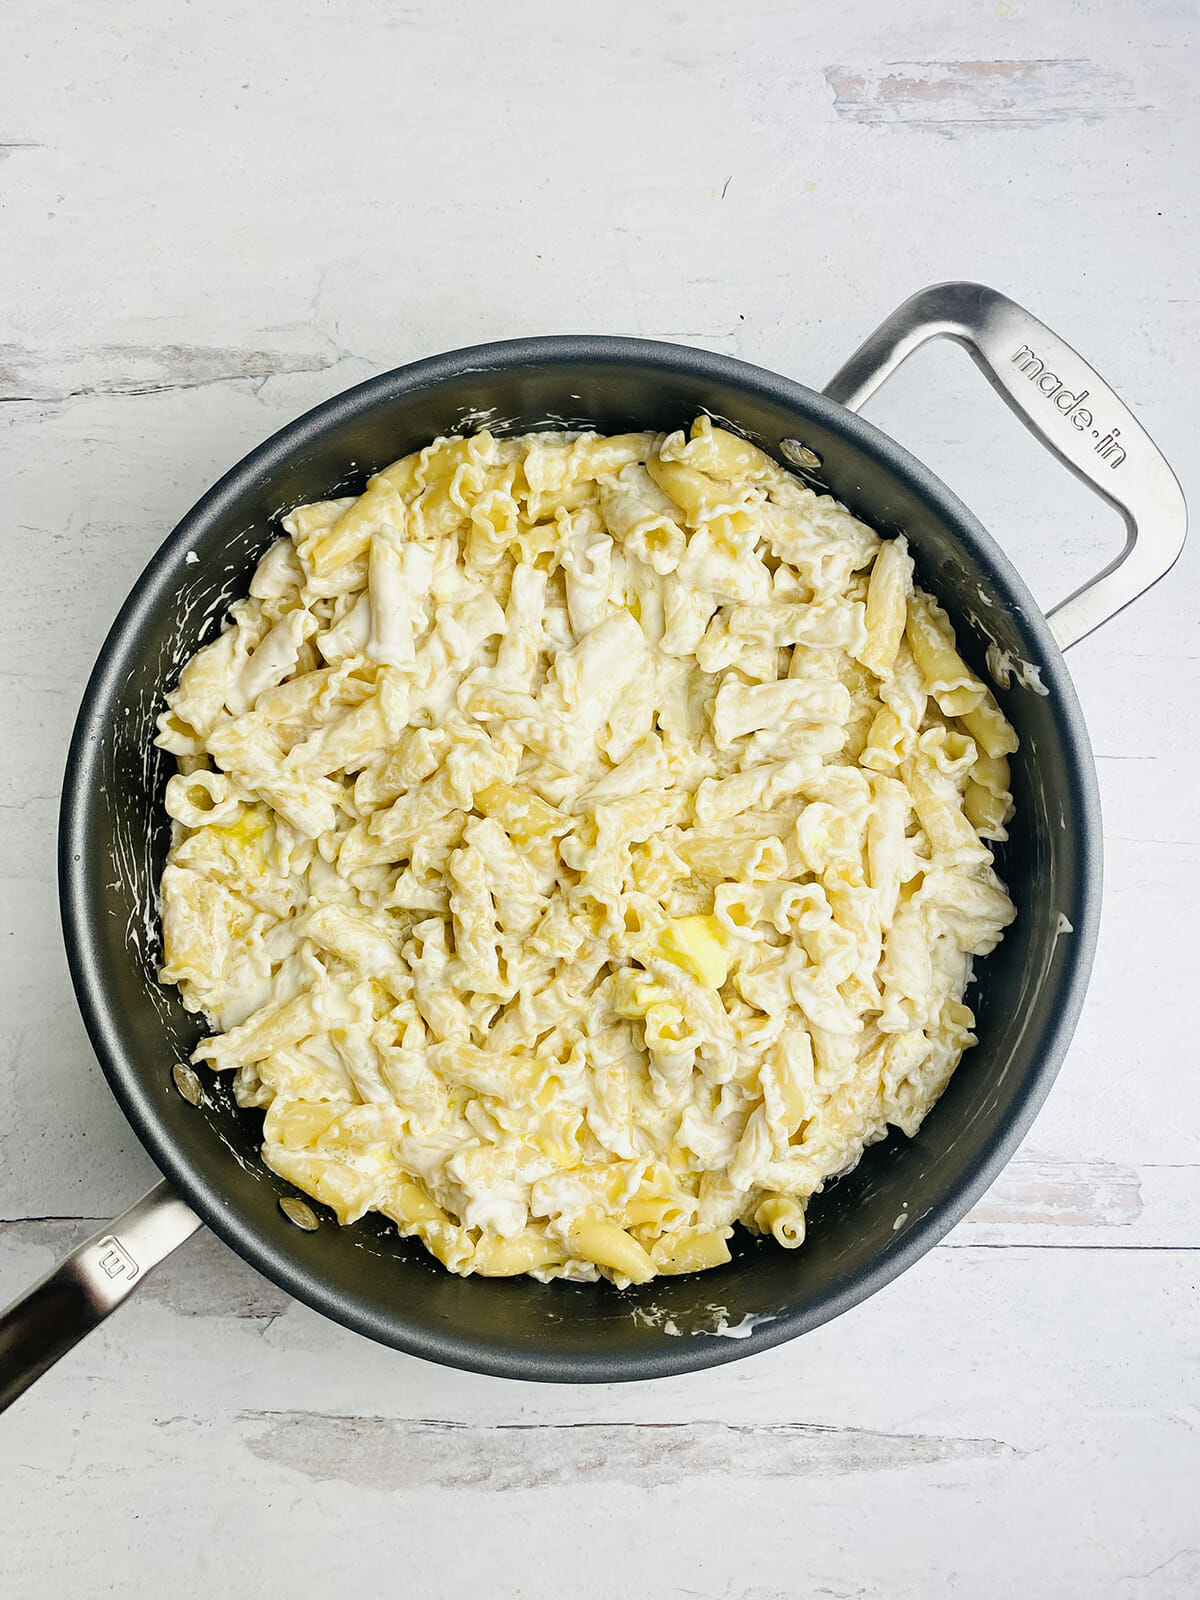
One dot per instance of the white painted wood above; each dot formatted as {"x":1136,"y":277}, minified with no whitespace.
{"x":211,"y":217}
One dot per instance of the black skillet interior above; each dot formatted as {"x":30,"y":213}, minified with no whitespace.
{"x":868,"y":1226}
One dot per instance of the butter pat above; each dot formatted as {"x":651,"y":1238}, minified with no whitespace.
{"x":697,"y":944}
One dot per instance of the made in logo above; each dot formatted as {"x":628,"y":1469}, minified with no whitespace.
{"x":114,"y":1260}
{"x":1071,"y":405}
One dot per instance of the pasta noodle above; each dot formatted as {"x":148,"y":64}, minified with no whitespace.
{"x":580,"y":847}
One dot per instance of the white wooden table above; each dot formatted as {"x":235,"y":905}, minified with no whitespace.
{"x":214,"y":216}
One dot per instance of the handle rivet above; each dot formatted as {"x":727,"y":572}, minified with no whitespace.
{"x":303,"y":1216}
{"x":799,"y":454}
{"x":188,"y":1083}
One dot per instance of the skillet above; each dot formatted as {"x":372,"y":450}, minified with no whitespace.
{"x":905,"y":1194}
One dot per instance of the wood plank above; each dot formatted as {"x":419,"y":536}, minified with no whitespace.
{"x":200,"y":242}
{"x":995,"y":1392}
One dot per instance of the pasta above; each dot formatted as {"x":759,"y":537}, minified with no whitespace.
{"x":580,"y":848}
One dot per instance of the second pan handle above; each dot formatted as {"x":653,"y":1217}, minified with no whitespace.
{"x":1068,"y":406}
{"x":52,"y":1317}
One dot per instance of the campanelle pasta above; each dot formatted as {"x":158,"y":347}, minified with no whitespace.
{"x":581,"y":846}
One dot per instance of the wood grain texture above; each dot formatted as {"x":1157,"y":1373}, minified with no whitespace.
{"x":381,"y":1453}
{"x":53,"y":376}
{"x":947,"y":95}
{"x":213,"y":218}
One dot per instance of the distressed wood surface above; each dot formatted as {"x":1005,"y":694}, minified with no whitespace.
{"x":213,"y":217}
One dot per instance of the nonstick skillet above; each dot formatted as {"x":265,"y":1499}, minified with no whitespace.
{"x":904,"y":1194}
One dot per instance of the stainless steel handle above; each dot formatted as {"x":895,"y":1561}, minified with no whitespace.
{"x":1068,"y":406}
{"x":80,"y":1291}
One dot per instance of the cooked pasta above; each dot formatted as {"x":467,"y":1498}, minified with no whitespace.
{"x":580,"y":847}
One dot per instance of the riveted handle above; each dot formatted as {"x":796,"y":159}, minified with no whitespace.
{"x":1065,"y":404}
{"x":52,"y":1317}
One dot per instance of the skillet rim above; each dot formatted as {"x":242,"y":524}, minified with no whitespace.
{"x":78,"y":913}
